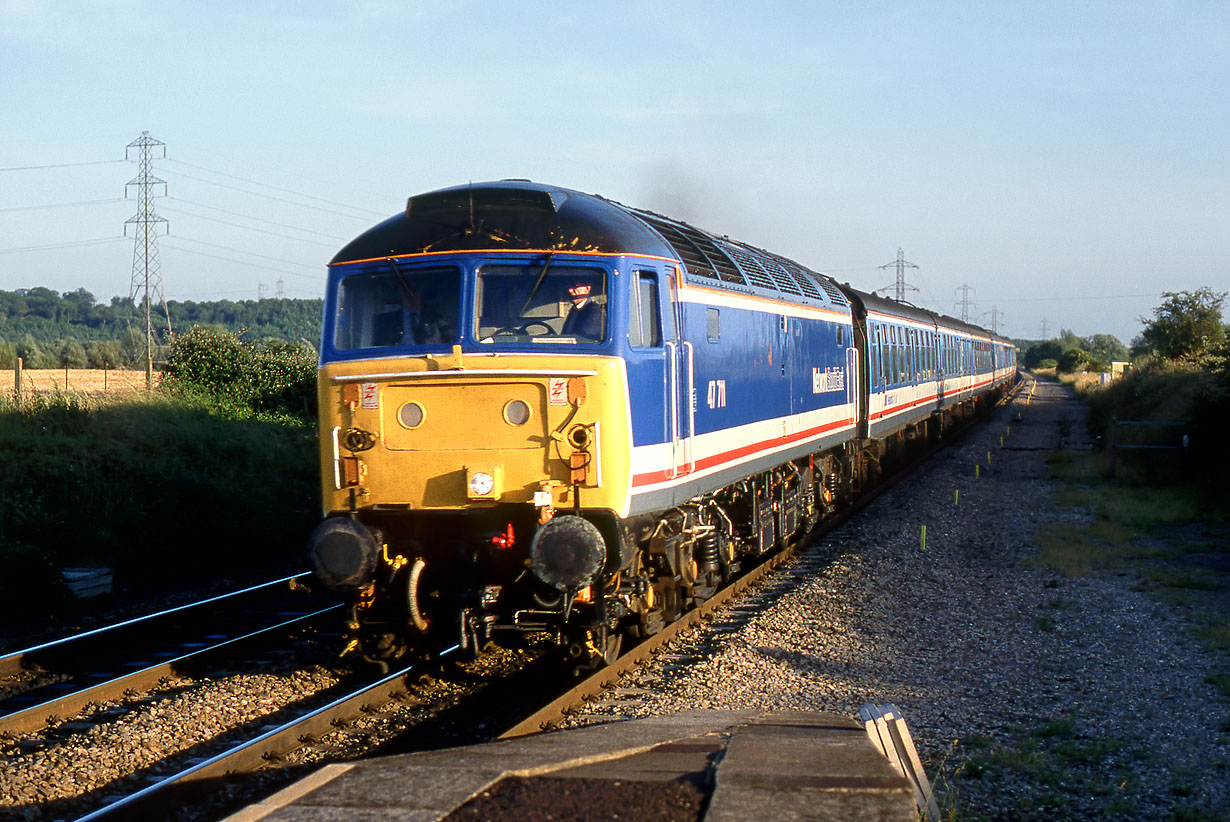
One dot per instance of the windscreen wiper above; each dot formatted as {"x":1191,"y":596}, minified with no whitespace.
{"x":542,"y":276}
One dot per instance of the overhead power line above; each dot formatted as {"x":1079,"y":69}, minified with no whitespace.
{"x":173,"y":242}
{"x":68,"y":244}
{"x":176,"y":207}
{"x":63,"y":205}
{"x":319,"y":270}
{"x":1068,"y":298}
{"x":364,"y":211}
{"x":62,"y":165}
{"x":273,"y":198}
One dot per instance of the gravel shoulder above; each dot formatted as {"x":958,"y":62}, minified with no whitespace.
{"x":1030,"y":694}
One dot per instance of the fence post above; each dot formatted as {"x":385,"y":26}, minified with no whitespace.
{"x":17,"y":379}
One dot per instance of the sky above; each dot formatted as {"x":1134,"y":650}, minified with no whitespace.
{"x":1068,"y":162}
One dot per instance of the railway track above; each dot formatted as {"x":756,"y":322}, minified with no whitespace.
{"x":59,"y":679}
{"x":265,"y":747}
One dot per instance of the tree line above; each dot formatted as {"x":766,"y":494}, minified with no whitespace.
{"x":47,"y":329}
{"x":1186,"y":326}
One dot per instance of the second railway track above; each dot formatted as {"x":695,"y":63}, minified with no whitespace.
{"x":296,"y":732}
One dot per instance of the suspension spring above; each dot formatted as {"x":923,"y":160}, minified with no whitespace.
{"x":708,"y":551}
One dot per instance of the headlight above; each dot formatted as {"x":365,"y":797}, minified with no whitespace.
{"x":411,"y":415}
{"x":481,"y":484}
{"x":516,"y":412}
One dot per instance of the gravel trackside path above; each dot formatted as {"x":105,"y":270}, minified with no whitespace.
{"x":1030,"y":695}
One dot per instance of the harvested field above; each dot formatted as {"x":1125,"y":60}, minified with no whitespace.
{"x":92,"y":381}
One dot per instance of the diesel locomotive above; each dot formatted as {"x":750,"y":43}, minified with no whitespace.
{"x":544,"y":411}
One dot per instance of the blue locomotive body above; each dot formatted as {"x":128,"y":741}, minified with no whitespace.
{"x":543,"y":410}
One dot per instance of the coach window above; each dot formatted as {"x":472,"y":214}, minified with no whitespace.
{"x":899,"y":349}
{"x":911,"y":367}
{"x":645,"y":326}
{"x":883,"y":355}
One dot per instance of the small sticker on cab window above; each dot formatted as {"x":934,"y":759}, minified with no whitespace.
{"x":558,"y":391}
{"x":370,"y":393}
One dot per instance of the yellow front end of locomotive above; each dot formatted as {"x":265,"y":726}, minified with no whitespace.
{"x":461,"y":431}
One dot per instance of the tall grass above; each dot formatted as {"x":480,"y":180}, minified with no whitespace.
{"x":162,"y":488}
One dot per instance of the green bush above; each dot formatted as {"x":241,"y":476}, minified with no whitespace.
{"x":1076,"y":360}
{"x":1168,"y":390}
{"x":241,"y":378}
{"x":1038,"y":355}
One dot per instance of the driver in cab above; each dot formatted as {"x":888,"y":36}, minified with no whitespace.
{"x":585,"y":317}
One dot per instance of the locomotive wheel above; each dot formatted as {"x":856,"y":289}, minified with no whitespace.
{"x":613,"y":644}
{"x":607,"y":643}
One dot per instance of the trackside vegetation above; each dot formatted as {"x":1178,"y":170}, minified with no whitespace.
{"x":213,"y":476}
{"x":1161,"y":521}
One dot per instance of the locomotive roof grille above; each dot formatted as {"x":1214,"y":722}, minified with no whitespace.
{"x":782,"y":274}
{"x":726,"y":269}
{"x":756,"y":273}
{"x":732,"y":262}
{"x":516,"y":214}
{"x":691,"y":256}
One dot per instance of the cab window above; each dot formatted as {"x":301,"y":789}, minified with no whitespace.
{"x":645,"y":323}
{"x":400,"y":306}
{"x":542,"y":302}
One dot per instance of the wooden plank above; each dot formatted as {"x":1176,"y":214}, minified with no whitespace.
{"x":906,"y":744}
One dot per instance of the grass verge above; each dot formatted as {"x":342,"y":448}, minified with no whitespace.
{"x":162,"y":489}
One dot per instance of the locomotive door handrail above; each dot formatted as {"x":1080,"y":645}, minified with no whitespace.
{"x":853,"y":389}
{"x":337,"y":459}
{"x":681,"y":444}
{"x":673,"y":370}
{"x":691,"y":395}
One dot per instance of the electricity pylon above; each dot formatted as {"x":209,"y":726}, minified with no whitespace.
{"x":146,"y":270}
{"x":901,"y":264}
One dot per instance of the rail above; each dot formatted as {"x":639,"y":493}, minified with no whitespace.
{"x":255,"y":753}
{"x":15,"y":662}
{"x":37,"y":716}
